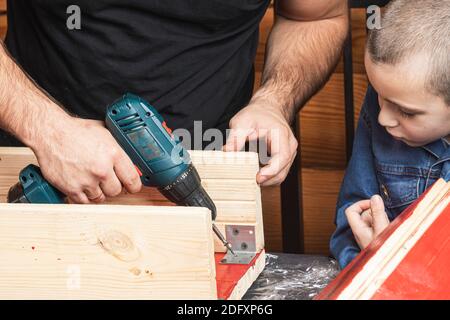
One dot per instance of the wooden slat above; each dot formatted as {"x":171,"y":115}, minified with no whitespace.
{"x":105,"y":252}
{"x":2,"y":27}
{"x":3,"y":20}
{"x":322,"y":124}
{"x":264,"y":30}
{"x":320,"y":191}
{"x":209,"y":164}
{"x":237,"y":200}
{"x":215,"y":168}
{"x":399,"y":244}
{"x":358,"y":20}
{"x":270,"y":197}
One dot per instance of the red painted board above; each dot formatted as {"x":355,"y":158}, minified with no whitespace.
{"x":424,"y":272}
{"x":228,"y":275}
{"x":345,"y":277}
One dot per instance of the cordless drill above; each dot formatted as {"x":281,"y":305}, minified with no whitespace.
{"x":158,"y":155}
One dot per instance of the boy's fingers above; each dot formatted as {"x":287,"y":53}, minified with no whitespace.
{"x":354,"y":212}
{"x":360,"y":206}
{"x":367,"y":217}
{"x":379,"y":217}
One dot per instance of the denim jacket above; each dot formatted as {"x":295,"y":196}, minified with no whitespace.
{"x":385,"y":166}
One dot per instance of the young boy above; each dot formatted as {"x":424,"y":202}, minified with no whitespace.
{"x":402,"y":140}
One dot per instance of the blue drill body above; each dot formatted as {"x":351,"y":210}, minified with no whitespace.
{"x":142,"y":133}
{"x":33,"y":188}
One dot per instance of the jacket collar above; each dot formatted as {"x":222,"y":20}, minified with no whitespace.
{"x":439,"y":148}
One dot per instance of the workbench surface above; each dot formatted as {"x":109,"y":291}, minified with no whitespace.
{"x":292,"y":277}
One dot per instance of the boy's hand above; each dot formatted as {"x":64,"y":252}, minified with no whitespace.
{"x":367,"y":219}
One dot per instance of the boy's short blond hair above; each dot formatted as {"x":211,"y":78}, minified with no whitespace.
{"x":411,"y":27}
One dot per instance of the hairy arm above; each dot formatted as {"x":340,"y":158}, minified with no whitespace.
{"x":23,"y":103}
{"x":77,"y":156}
{"x":302,"y":51}
{"x":303,"y":48}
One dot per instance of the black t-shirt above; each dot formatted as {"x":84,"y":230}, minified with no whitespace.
{"x":192,"y":60}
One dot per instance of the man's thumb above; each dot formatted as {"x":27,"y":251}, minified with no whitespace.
{"x":380,"y":219}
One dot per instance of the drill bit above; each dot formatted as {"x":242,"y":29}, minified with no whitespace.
{"x":222,"y":238}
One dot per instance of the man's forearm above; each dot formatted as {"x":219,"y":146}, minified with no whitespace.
{"x":24,"y":107}
{"x":300,"y":57}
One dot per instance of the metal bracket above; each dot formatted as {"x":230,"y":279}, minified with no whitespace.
{"x":243,"y":242}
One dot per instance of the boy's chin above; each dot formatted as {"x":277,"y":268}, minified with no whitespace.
{"x":415,"y":144}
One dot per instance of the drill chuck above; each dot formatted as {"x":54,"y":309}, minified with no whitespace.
{"x":187,"y":190}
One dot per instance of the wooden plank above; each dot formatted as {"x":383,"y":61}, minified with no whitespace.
{"x":219,"y":190}
{"x":216,"y":174}
{"x":430,"y":282}
{"x":238,"y":201}
{"x":209,"y":164}
{"x":399,"y":243}
{"x":105,"y":252}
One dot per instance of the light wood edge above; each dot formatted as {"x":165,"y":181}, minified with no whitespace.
{"x":381,"y":265}
{"x":250,"y":276}
{"x":409,"y":243}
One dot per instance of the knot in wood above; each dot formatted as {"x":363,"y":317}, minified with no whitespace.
{"x":119,"y":245}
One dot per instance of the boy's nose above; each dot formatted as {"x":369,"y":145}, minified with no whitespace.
{"x":387,"y":119}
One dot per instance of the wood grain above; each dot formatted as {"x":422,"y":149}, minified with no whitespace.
{"x":322,"y":124}
{"x":162,"y":251}
{"x":2,"y":27}
{"x":320,"y":191}
{"x":264,"y":30}
{"x":271,"y":202}
{"x":105,"y":252}
{"x":3,"y":20}
{"x":358,"y":24}
{"x":228,"y":177}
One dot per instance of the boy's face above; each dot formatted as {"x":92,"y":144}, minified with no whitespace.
{"x":409,"y":112}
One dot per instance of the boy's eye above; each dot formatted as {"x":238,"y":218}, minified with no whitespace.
{"x":406,"y":114}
